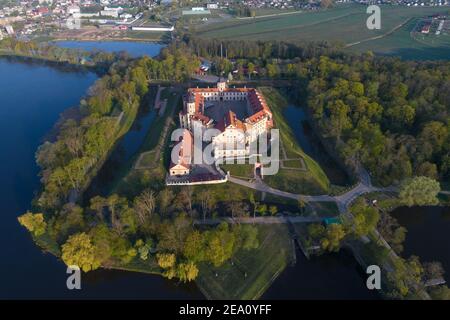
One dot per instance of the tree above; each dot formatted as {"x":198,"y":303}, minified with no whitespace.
{"x":186,"y":194}
{"x":440,"y":293}
{"x":316,"y":231}
{"x":272,"y":70}
{"x":194,"y":247}
{"x":144,"y":205}
{"x":301,"y":205}
{"x":143,"y":248}
{"x":97,"y":204}
{"x":365,"y":219}
{"x":34,"y":223}
{"x":250,"y":69}
{"x":333,"y":236}
{"x":187,"y":271}
{"x":206,"y":203}
{"x":433,"y":270}
{"x":419,"y":191}
{"x":165,"y":198}
{"x":79,"y":251}
{"x":246,"y":237}
{"x":392,"y":232}
{"x":237,"y":209}
{"x":166,"y":260}
{"x":219,"y":244}
{"x":253,"y":202}
{"x":101,"y":238}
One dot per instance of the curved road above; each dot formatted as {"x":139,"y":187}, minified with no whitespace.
{"x":343,"y":201}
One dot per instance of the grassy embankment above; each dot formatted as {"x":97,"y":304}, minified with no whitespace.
{"x":307,"y":179}
{"x":123,"y":125}
{"x":242,"y":171}
{"x":151,"y":171}
{"x":345,"y":24}
{"x":249,"y":273}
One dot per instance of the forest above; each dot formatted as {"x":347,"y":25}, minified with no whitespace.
{"x":392,"y":116}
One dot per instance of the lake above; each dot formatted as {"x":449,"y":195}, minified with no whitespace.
{"x":428,"y":235}
{"x":135,"y":49}
{"x":31,"y":98}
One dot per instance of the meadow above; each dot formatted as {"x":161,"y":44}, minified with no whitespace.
{"x":345,"y":24}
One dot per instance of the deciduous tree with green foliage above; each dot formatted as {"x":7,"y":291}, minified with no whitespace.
{"x":419,"y":191}
{"x":79,"y":251}
{"x":34,"y":222}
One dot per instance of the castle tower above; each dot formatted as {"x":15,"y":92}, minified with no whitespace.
{"x":190,"y":104}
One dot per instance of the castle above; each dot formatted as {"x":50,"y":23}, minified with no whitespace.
{"x":241,"y":115}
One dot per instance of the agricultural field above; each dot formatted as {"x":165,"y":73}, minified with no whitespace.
{"x":345,"y":24}
{"x":407,"y":43}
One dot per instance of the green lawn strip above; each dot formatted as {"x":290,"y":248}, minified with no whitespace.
{"x":224,"y":192}
{"x":315,"y":178}
{"x":239,"y":170}
{"x":323,"y":209}
{"x":137,"y":265}
{"x":146,"y":160}
{"x":294,"y":181}
{"x":261,"y":265}
{"x":144,"y":35}
{"x":297,"y":164}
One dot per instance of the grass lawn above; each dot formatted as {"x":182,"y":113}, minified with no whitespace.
{"x":294,"y":181}
{"x":240,"y":170}
{"x":146,"y":160}
{"x":228,"y":191}
{"x":298,"y":164}
{"x":261,"y":266}
{"x":323,"y":209}
{"x":138,"y":265}
{"x":145,"y":35}
{"x":310,"y":181}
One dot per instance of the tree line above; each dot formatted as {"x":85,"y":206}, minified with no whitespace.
{"x":390,"y":115}
{"x":101,"y":60}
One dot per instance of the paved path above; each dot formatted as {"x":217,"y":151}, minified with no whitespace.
{"x":343,"y":201}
